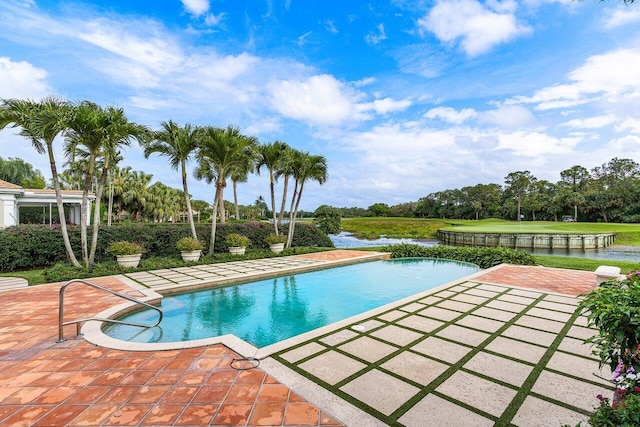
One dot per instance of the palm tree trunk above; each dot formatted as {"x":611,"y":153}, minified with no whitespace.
{"x":61,"y":215}
{"x":235,"y":199}
{"x":273,"y":201}
{"x":293,"y":201}
{"x":96,"y":213}
{"x":284,"y":199}
{"x":214,"y":221}
{"x":575,"y":213}
{"x":220,"y":192}
{"x":188,"y":200}
{"x":292,"y":222}
{"x":84,"y":216}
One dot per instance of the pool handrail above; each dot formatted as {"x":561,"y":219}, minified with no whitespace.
{"x":78,"y":322}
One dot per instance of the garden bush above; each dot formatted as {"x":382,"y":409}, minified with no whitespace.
{"x":35,"y":246}
{"x":483,"y":257}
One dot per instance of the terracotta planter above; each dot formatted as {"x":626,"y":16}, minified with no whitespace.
{"x":128,"y":261}
{"x":190,"y":256}
{"x":276,"y":248}
{"x":237,"y":250}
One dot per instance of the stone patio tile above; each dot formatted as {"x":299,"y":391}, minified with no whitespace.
{"x":445,"y":294}
{"x":458,"y":288}
{"x":578,"y":347}
{"x":471,"y":299}
{"x":420,"y":323}
{"x":542,"y":324}
{"x":497,"y":367}
{"x":414,"y":306}
{"x":516,"y":349}
{"x":506,"y":306}
{"x":368,"y":349}
{"x":456,"y":305}
{"x":536,"y":412}
{"x":392,"y":315}
{"x":480,"y":293}
{"x":479,"y":393}
{"x":430,"y":300}
{"x":339,"y":337}
{"x":481,"y":323}
{"x":302,"y":352}
{"x":493,"y":313}
{"x":565,"y":308}
{"x":373,"y":389}
{"x":396,"y":335}
{"x":562,"y":299}
{"x":441,"y":349}
{"x":581,"y":332}
{"x":439,"y":313}
{"x":580,"y":367}
{"x":415,"y":367}
{"x":463,"y":335}
{"x":581,"y":321}
{"x":332,"y":367}
{"x":370,"y":324}
{"x":515,"y":299}
{"x":570,"y":391}
{"x":524,"y":293}
{"x":548,"y":314}
{"x":492,"y":288}
{"x":529,"y":335}
{"x":434,"y":411}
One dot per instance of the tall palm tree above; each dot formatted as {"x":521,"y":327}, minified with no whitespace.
{"x":270,"y":156}
{"x":306,"y":167}
{"x":219,"y":151}
{"x":286,"y":170}
{"x":41,"y":122}
{"x":240,"y":172}
{"x":177,"y":144}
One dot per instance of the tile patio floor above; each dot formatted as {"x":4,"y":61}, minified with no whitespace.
{"x":462,"y":356}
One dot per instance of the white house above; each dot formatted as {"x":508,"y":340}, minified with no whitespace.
{"x":13,"y":197}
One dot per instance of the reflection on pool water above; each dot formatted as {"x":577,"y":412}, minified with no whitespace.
{"x":267,"y":311}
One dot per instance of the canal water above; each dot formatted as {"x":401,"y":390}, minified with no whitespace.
{"x":346,"y":240}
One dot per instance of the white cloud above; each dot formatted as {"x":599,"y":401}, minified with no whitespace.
{"x":385,"y":106}
{"x":622,"y":16}
{"x":330,"y":26}
{"x":196,"y":7}
{"x":508,"y":117}
{"x":609,"y":76}
{"x":535,"y":144}
{"x":478,"y":27}
{"x":631,"y":124}
{"x":375,"y":38}
{"x":591,"y":122}
{"x":22,"y":80}
{"x":214,"y":20}
{"x":302,"y":40}
{"x":451,"y":115}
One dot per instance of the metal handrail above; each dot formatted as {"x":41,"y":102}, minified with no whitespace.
{"x":62,"y":323}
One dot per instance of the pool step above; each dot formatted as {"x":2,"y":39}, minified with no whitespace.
{"x":8,"y":283}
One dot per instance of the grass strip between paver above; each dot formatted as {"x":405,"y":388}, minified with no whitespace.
{"x":521,"y":392}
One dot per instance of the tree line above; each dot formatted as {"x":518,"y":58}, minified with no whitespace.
{"x":93,"y":140}
{"x":608,"y":193}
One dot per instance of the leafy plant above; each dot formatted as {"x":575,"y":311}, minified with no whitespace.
{"x":273,"y":239}
{"x":188,"y":244}
{"x":124,"y":248}
{"x":237,"y":240}
{"x":328,"y":219}
{"x":625,"y":413}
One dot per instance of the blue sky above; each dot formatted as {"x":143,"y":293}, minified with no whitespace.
{"x":403,"y":97}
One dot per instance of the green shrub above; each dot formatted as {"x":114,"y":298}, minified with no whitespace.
{"x":328,"y":219}
{"x":482,"y":257}
{"x":125,"y":248}
{"x":273,"y":239}
{"x":188,"y":244}
{"x":625,"y":413}
{"x":237,"y":240}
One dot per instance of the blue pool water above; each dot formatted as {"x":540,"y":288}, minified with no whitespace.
{"x":267,"y":311}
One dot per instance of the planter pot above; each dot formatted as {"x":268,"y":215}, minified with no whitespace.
{"x":276,"y":248}
{"x":237,"y":250}
{"x":128,"y":260}
{"x":190,"y":255}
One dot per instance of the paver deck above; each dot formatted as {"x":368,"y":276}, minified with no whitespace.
{"x":483,"y":351}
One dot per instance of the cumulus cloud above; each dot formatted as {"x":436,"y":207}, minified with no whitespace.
{"x":534,"y":144}
{"x":508,"y":117}
{"x":609,"y":76}
{"x":385,"y":105}
{"x":22,"y":80}
{"x":375,"y":38}
{"x":479,"y":28}
{"x":622,"y":16}
{"x":451,"y":115}
{"x":591,"y":122}
{"x":196,"y":7}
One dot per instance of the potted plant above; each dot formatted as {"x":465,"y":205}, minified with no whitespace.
{"x":127,"y":253}
{"x":189,"y":248}
{"x":614,"y":309}
{"x":237,"y":243}
{"x":276,"y":242}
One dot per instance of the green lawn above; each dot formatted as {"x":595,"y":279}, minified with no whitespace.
{"x":413,"y":228}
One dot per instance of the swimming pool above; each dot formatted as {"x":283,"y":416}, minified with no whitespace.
{"x":271,"y":310}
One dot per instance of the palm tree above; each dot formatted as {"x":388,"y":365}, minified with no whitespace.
{"x":271,"y":155}
{"x":135,"y":193}
{"x":219,"y":151}
{"x":240,"y":172}
{"x":306,"y":167}
{"x":286,"y":170}
{"x":177,"y":144}
{"x":41,"y":122}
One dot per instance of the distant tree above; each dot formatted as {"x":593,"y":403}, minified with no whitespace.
{"x":328,"y":219}
{"x":518,"y":184}
{"x":379,"y":209}
{"x":19,"y":172}
{"x":406,"y":210}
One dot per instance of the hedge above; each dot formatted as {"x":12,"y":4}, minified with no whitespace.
{"x":481,"y":256}
{"x":26,"y":247}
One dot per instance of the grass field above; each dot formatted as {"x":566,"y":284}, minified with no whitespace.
{"x":413,"y":228}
